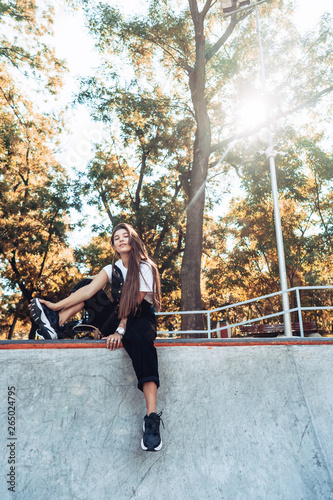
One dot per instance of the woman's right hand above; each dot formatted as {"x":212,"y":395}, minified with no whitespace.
{"x":49,"y":305}
{"x":113,"y":341}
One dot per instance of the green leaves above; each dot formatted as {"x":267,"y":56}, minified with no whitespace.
{"x":171,"y":89}
{"x":34,"y":188}
{"x":245,"y":260}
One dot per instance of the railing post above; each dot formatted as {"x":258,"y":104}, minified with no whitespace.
{"x":299,"y":310}
{"x":209,"y":333}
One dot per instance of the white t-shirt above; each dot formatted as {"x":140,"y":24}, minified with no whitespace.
{"x":146,"y":277}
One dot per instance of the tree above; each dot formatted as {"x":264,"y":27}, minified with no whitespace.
{"x":34,"y":190}
{"x":139,"y":185}
{"x":23,"y":47}
{"x":244,"y":263}
{"x":212,"y":64}
{"x":34,"y":203}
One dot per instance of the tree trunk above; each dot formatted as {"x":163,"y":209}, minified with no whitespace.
{"x":191,"y":264}
{"x":12,"y":327}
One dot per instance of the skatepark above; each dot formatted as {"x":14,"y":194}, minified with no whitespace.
{"x":243,"y":420}
{"x":206,"y":125}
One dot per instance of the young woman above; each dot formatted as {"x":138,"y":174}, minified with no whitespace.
{"x":139,"y":297}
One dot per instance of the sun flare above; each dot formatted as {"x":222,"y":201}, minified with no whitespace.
{"x":251,"y":113}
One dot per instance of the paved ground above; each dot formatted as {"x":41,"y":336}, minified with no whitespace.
{"x":241,"y":422}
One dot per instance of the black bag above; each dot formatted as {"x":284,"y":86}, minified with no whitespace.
{"x":101,"y":314}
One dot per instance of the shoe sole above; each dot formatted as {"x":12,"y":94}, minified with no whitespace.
{"x":145,"y":448}
{"x":38,"y":315}
{"x":157,"y":448}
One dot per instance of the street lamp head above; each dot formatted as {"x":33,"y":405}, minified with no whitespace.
{"x":231,"y":5}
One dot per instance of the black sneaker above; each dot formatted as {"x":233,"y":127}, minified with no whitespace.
{"x":151,"y":440}
{"x":45,"y":318}
{"x":42,"y":334}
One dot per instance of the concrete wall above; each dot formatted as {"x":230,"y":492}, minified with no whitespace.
{"x":251,"y":422}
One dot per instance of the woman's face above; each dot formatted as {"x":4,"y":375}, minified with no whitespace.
{"x":121,"y":241}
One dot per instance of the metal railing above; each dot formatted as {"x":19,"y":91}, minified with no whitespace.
{"x":209,"y":331}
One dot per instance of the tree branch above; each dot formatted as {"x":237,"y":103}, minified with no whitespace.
{"x":212,"y":50}
{"x":139,"y":186}
{"x":47,"y":244}
{"x":121,"y":170}
{"x":205,"y":9}
{"x":26,"y":293}
{"x":178,"y":60}
{"x":106,"y":206}
{"x":194,"y":10}
{"x":216,"y":47}
{"x":166,"y":225}
{"x":247,"y":133}
{"x":176,"y":251}
{"x":317,"y":204}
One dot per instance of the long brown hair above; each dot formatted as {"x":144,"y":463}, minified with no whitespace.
{"x":131,"y":290}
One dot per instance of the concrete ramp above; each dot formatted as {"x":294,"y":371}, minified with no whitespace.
{"x":241,"y":422}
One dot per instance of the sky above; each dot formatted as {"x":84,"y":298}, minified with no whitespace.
{"x":73,"y":43}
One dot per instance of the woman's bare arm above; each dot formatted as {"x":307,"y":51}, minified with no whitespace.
{"x":84,"y":293}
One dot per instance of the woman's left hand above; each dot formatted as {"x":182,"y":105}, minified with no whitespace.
{"x":113,"y":341}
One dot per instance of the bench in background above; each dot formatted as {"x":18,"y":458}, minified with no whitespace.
{"x":275,"y":329}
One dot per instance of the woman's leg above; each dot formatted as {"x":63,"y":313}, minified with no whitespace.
{"x":151,"y":439}
{"x":67,"y":313}
{"x":139,"y":344}
{"x":150,"y":393}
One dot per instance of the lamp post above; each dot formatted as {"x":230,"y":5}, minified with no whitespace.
{"x":230,"y":7}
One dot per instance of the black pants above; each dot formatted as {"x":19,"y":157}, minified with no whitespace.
{"x":138,"y":342}
{"x":99,"y":310}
